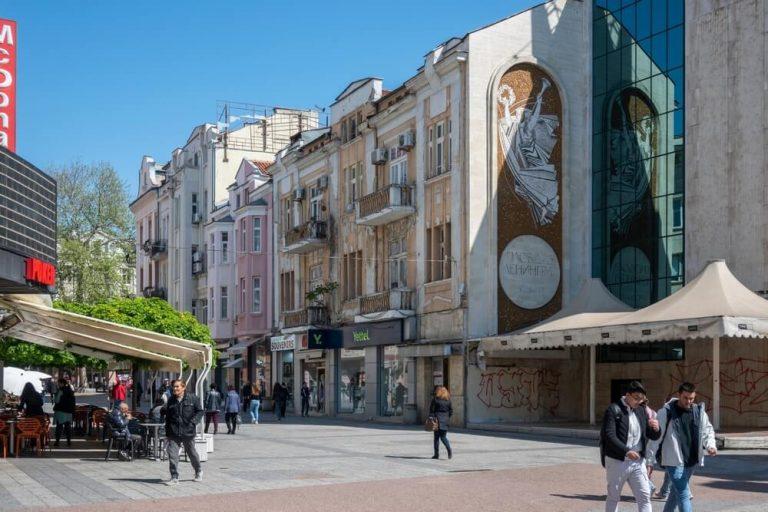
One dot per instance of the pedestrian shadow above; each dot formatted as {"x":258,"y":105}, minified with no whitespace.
{"x":140,"y":480}
{"x":591,"y":497}
{"x":734,"y":485}
{"x":409,"y":457}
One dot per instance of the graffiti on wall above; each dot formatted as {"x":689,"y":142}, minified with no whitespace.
{"x":533,"y":389}
{"x":743,"y":383}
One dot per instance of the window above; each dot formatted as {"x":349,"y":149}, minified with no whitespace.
{"x":344,"y":131}
{"x":224,"y":301}
{"x":398,"y":170}
{"x":213,"y":302}
{"x":354,"y":181}
{"x":243,"y":244}
{"x":237,"y":201}
{"x":141,"y":233}
{"x":352,"y":273}
{"x":256,"y":234}
{"x":205,"y":311}
{"x":639,"y":352}
{"x":256,"y":306}
{"x":315,"y":203}
{"x":194,"y":309}
{"x":287,"y":225}
{"x":213,"y":249}
{"x":439,"y":252}
{"x":196,"y":159}
{"x":141,"y":279}
{"x":225,"y":247}
{"x":677,"y":213}
{"x":438,"y":151}
{"x":677,"y":266}
{"x":205,"y":204}
{"x":352,"y":128}
{"x":242,"y":296}
{"x":287,"y":291}
{"x":398,"y":264}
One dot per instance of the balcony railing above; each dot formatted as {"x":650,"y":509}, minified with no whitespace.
{"x":391,"y":300}
{"x":306,"y":237}
{"x":154,"y":291}
{"x":156,"y":248}
{"x":311,"y":315}
{"x":386,"y":205}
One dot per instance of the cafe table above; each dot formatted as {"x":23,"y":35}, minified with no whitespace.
{"x":155,"y":438}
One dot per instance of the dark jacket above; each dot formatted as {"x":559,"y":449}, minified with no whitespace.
{"x":442,"y":410}
{"x":67,"y":402}
{"x":117,"y":421}
{"x":182,"y":416}
{"x":613,"y":435}
{"x":32,"y":404}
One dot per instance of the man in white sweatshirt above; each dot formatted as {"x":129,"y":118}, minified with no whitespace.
{"x":686,"y":436}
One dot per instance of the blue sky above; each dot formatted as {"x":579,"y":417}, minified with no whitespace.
{"x":104,"y":80}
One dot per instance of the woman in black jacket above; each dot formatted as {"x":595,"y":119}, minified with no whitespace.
{"x":441,"y":409}
{"x":31,"y":402}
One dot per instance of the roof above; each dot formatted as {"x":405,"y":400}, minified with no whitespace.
{"x":353,"y":86}
{"x":262,"y":165}
{"x":226,"y":218}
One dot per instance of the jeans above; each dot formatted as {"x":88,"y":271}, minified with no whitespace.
{"x":67,"y":428}
{"x":231,"y":419}
{"x":442,"y":435}
{"x":680,"y":497}
{"x":305,"y":406}
{"x":174,"y":445}
{"x":212,"y":416}
{"x":664,"y":489}
{"x":634,"y":472}
{"x":255,"y":404}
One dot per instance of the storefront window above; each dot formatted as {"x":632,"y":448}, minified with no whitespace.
{"x":314,"y":376}
{"x":394,"y":381}
{"x":351,"y":381}
{"x":286,"y":358}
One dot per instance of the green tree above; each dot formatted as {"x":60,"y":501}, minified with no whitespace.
{"x":95,"y":233}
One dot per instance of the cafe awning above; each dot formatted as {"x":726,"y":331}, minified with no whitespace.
{"x":32,"y":319}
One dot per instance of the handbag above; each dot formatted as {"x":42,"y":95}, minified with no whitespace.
{"x":431,"y":425}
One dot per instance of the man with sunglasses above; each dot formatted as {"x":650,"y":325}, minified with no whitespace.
{"x":623,"y":439}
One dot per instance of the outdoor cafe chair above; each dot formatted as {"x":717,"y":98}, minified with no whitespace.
{"x":98,"y":419}
{"x":28,"y":428}
{"x":119,"y":442}
{"x":4,"y":432}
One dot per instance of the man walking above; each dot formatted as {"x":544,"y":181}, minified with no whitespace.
{"x":182,"y":414}
{"x":305,"y":394}
{"x":623,"y":439}
{"x":686,"y":436}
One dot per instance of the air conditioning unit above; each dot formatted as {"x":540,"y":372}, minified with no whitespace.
{"x":196,"y":218}
{"x":379,"y":156}
{"x":298,"y":194}
{"x":322,"y":182}
{"x":197,"y":267}
{"x":406,"y":141}
{"x":197,"y":257}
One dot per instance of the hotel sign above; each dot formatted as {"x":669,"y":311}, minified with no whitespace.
{"x":8,"y":84}
{"x":373,"y":334}
{"x":278,"y":343}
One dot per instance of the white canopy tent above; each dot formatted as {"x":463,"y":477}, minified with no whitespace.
{"x":714,"y":305}
{"x":31,"y":318}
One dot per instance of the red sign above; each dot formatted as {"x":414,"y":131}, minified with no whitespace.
{"x":40,"y":272}
{"x":8,"y":84}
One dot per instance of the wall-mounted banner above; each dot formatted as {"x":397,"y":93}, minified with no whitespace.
{"x":372,"y":334}
{"x":324,"y":338}
{"x":287,"y":342}
{"x":8,"y":43}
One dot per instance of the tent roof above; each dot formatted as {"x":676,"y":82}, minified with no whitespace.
{"x":714,"y":304}
{"x":41,"y":324}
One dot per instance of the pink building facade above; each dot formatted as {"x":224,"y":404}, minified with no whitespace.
{"x":251,"y":208}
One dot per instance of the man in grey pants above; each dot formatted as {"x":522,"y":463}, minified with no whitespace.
{"x":623,"y":440}
{"x":182,"y":414}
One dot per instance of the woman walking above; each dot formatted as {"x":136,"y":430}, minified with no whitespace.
{"x":255,"y":403}
{"x":441,"y":409}
{"x":63,"y":409}
{"x":212,"y":406}
{"x":231,"y":409}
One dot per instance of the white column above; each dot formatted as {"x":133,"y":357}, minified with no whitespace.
{"x":716,"y":383}
{"x":592,"y":382}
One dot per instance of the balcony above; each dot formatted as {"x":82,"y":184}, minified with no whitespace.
{"x":156,"y":292}
{"x":156,"y":249}
{"x":303,"y":319}
{"x":307,"y":237}
{"x":386,"y":205}
{"x":396,"y":303}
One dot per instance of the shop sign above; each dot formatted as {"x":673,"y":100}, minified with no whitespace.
{"x":278,"y":343}
{"x":324,"y":338}
{"x":372,"y":334}
{"x":8,"y":84}
{"x":39,"y":272}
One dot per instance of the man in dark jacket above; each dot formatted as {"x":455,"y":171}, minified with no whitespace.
{"x":623,"y":439}
{"x":182,"y":414}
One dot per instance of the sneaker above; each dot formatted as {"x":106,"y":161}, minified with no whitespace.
{"x":199,"y":476}
{"x":123,"y":455}
{"x":659,"y":496}
{"x":435,"y":456}
{"x":173,"y":481}
{"x":450,"y":455}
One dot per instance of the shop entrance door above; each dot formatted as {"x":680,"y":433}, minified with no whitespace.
{"x":314,"y":376}
{"x":321,"y":391}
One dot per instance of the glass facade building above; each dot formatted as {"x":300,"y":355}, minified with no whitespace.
{"x":638,"y":147}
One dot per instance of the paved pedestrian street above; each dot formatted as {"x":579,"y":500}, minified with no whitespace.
{"x":322,"y":465}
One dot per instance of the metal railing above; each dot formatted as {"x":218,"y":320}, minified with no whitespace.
{"x":313,"y":229}
{"x":152,"y":291}
{"x":386,"y":301}
{"x":311,"y":315}
{"x":387,"y":197}
{"x":155,"y":247}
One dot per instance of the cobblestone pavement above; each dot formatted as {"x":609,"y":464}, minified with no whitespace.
{"x":311,"y":464}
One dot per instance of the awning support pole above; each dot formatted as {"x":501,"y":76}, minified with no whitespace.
{"x":592,"y":383}
{"x":716,"y":382}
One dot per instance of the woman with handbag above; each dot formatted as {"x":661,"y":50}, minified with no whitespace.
{"x":441,"y":410}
